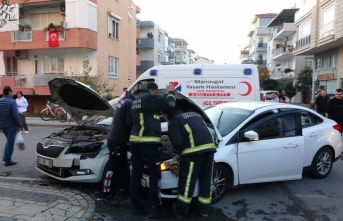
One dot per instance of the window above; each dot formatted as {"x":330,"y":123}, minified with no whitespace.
{"x":325,"y":62}
{"x":160,"y":37}
{"x":318,"y":63}
{"x":309,"y":119}
{"x":112,"y":67}
{"x":305,"y":29}
{"x":268,"y":129}
{"x":332,"y":61}
{"x":113,"y":26}
{"x":53,"y":64}
{"x":11,"y":66}
{"x":308,"y":62}
{"x":159,"y":57}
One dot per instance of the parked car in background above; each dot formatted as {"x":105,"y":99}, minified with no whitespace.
{"x":261,"y":142}
{"x":266,"y":95}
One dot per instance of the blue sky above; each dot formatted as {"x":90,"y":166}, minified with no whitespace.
{"x":215,"y":29}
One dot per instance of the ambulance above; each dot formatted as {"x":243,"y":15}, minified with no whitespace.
{"x":206,"y":84}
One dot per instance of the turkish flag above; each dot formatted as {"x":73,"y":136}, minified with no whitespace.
{"x":53,"y":39}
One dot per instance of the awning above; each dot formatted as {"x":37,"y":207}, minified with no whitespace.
{"x":285,"y":16}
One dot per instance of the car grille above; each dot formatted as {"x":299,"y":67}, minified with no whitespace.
{"x":51,"y":151}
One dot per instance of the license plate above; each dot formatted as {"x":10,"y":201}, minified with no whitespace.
{"x":143,"y":182}
{"x":44,"y":162}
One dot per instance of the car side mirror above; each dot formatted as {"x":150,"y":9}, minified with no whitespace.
{"x":251,"y":135}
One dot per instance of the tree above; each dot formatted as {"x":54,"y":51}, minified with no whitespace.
{"x":6,"y":12}
{"x":290,"y":91}
{"x":263,"y":73}
{"x":94,"y":82}
{"x":304,"y":82}
{"x":269,"y":84}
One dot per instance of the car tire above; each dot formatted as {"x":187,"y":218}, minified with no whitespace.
{"x":220,"y":182}
{"x":322,"y":163}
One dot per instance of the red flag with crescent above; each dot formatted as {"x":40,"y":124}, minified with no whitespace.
{"x":53,"y":39}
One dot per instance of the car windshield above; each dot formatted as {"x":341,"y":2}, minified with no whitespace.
{"x":227,"y":119}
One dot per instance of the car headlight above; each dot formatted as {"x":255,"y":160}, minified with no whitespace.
{"x":89,"y":149}
{"x":165,"y":166}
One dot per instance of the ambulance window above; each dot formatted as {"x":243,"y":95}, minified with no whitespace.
{"x":141,"y":84}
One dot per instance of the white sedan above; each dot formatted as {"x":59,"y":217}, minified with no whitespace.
{"x":261,"y":142}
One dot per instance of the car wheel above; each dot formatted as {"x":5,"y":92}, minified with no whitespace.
{"x":322,"y":163}
{"x":220,"y":182}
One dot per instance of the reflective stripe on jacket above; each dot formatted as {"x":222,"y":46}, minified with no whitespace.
{"x":190,"y":135}
{"x":146,"y":111}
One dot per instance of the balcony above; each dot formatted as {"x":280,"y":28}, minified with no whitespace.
{"x":38,"y":39}
{"x":283,"y":53}
{"x":327,"y":30}
{"x":261,"y":47}
{"x":30,"y":84}
{"x":280,"y":75}
{"x":146,"y":43}
{"x":145,"y":65}
{"x":285,"y":30}
{"x":262,"y":31}
{"x":305,"y":41}
{"x":21,"y":36}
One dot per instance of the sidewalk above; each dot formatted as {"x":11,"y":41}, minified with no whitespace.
{"x":31,"y":201}
{"x":36,"y":121}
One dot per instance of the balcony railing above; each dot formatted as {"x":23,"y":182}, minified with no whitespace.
{"x":18,"y":36}
{"x":303,"y":42}
{"x":282,"y":50}
{"x":326,"y":30}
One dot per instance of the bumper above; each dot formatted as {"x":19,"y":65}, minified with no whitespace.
{"x":73,"y":169}
{"x":168,"y":185}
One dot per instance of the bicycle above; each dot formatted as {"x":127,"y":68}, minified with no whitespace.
{"x":52,"y":111}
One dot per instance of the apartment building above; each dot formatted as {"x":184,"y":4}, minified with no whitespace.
{"x":259,"y":38}
{"x":283,"y":66}
{"x":155,"y":46}
{"x":102,"y":32}
{"x":320,"y":33}
{"x":181,"y":51}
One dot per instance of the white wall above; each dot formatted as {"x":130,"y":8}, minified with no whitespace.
{"x":81,"y":14}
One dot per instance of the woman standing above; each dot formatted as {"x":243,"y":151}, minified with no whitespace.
{"x":22,"y":108}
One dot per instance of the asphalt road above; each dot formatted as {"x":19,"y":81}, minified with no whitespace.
{"x":301,"y":200}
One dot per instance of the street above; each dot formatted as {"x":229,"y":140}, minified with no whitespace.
{"x":301,"y":200}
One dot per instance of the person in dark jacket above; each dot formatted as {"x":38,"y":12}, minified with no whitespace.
{"x":321,"y":100}
{"x":118,"y":145}
{"x":334,"y":107}
{"x":193,"y":141}
{"x":10,"y":123}
{"x":145,"y":140}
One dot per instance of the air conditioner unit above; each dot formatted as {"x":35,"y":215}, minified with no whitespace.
{"x":22,"y":54}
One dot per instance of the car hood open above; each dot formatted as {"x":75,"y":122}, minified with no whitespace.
{"x":79,"y":99}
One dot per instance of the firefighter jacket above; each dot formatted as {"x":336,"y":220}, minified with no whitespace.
{"x":189,"y":134}
{"x":122,"y":121}
{"x":146,"y":111}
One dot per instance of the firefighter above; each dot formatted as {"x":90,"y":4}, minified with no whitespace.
{"x":117,"y":142}
{"x":145,"y":140}
{"x":193,"y":142}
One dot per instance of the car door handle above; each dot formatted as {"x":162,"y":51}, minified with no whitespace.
{"x":290,"y":145}
{"x":313,"y":134}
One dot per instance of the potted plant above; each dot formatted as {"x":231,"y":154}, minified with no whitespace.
{"x":25,"y":27}
{"x":51,"y":27}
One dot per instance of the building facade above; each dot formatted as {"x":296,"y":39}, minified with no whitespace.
{"x":259,"y":38}
{"x":100,"y":33}
{"x":155,"y":46}
{"x":320,"y":33}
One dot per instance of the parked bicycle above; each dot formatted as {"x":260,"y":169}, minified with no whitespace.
{"x":53,"y":111}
